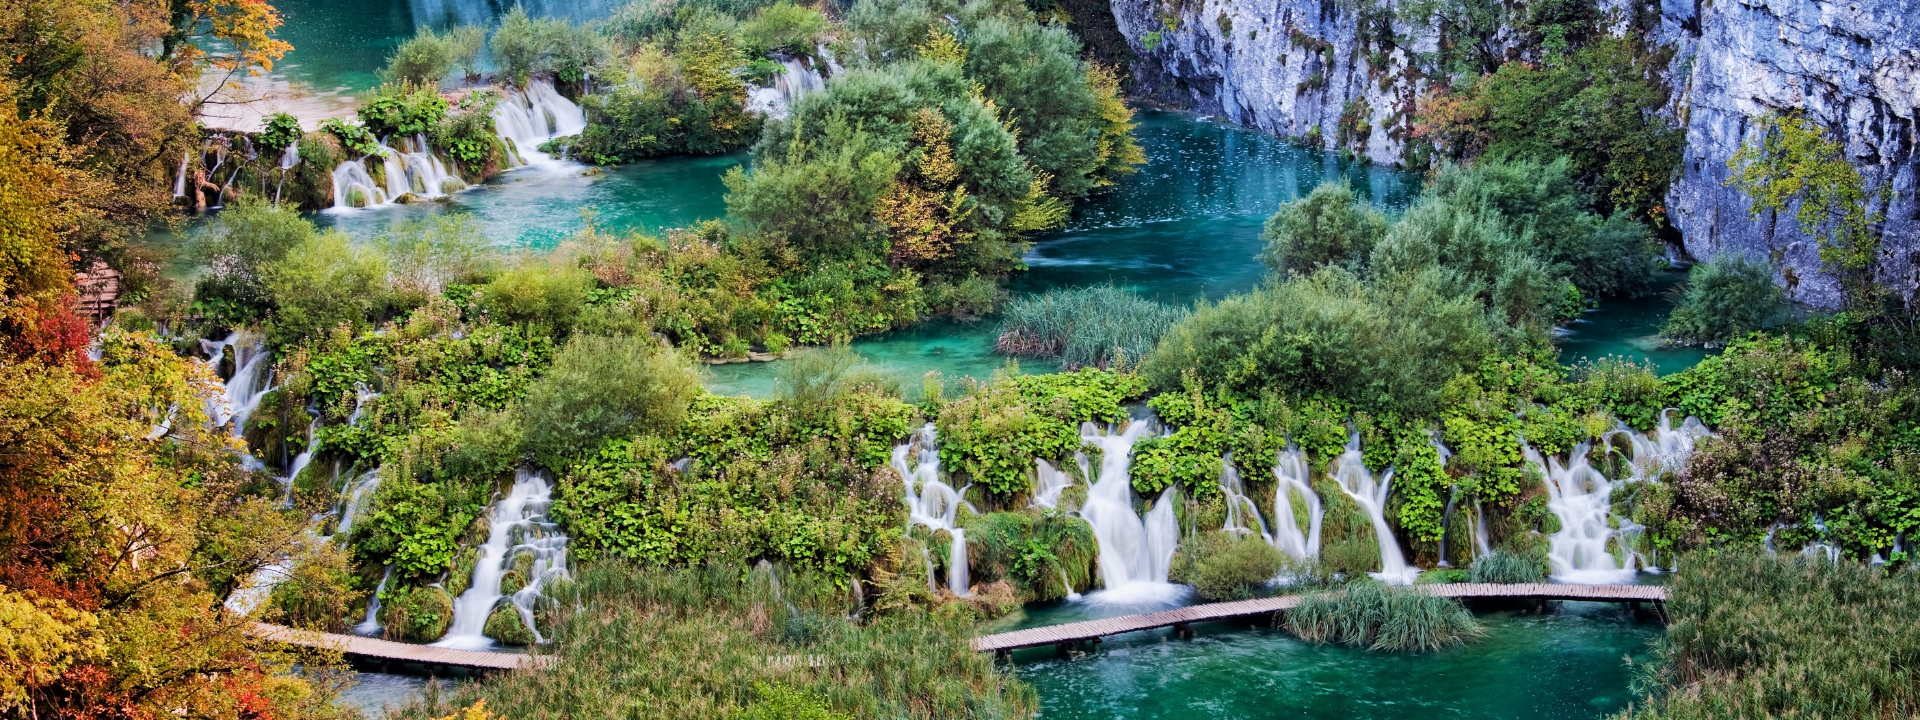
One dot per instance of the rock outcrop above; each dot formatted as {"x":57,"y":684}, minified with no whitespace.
{"x":1316,"y":71}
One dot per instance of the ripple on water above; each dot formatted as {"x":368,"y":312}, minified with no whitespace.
{"x":1567,"y":664}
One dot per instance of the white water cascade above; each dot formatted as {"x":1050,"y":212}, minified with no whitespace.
{"x":412,"y":168}
{"x":1290,"y":474}
{"x":353,"y":186}
{"x":518,"y":525}
{"x":527,"y":118}
{"x":356,"y":501}
{"x":796,"y":79}
{"x":1582,"y":499}
{"x":1135,"y":552}
{"x":1350,"y":471}
{"x":371,"y":626}
{"x":242,"y":392}
{"x":933,"y":503}
{"x":1049,"y":484}
{"x":1239,"y":506}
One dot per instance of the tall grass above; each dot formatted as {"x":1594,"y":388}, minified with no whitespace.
{"x":1758,"y":636}
{"x":1085,"y":327}
{"x":1501,"y":566}
{"x":1370,"y":615}
{"x":717,"y":642}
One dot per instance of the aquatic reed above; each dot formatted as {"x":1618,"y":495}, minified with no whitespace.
{"x":1501,"y":566}
{"x":1374,"y":616}
{"x":720,"y":640}
{"x":1085,"y":327}
{"x":1759,"y":636}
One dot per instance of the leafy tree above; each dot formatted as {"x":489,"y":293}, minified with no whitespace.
{"x":325,"y":281}
{"x":524,"y":45}
{"x":238,"y":251}
{"x":601,"y":388}
{"x":1327,"y":227}
{"x":229,"y":38}
{"x":425,"y":58}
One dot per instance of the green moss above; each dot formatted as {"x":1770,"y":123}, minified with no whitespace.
{"x":506,"y":625}
{"x":416,"y":614}
{"x":1224,"y":566}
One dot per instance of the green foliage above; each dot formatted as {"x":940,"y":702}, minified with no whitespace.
{"x":996,"y":432}
{"x":1726,"y":297}
{"x":327,"y":281}
{"x":1795,"y":162}
{"x":415,"y":614}
{"x":1191,"y":457}
{"x":1370,"y":615}
{"x":506,"y":625}
{"x":1327,"y":227}
{"x":1098,"y":326}
{"x":1756,"y":636}
{"x":1501,"y":566}
{"x":403,"y":108}
{"x":238,"y":251}
{"x":1597,"y":106}
{"x":784,"y":27}
{"x":689,"y":103}
{"x":279,"y":132}
{"x":1034,"y":74}
{"x":537,"y":293}
{"x":1045,"y":554}
{"x":468,"y":137}
{"x":1222,"y":566}
{"x":524,"y":46}
{"x":1632,"y":393}
{"x":757,"y":639}
{"x":355,"y":138}
{"x":423,"y":59}
{"x":600,"y":388}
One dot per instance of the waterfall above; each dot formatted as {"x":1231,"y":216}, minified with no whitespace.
{"x":1582,"y":499}
{"x":931,"y":502}
{"x":797,"y":78}
{"x":239,"y":397}
{"x":1291,"y":476}
{"x":306,"y":456}
{"x":1134,"y":552}
{"x":371,"y":626}
{"x":1050,"y":483}
{"x":1239,"y":506}
{"x":1668,"y":449}
{"x":361,"y":396}
{"x":412,"y":168}
{"x":1068,"y":584}
{"x":180,"y":178}
{"x":525,"y":119}
{"x":1354,"y":479}
{"x":353,"y":186}
{"x":518,"y":524}
{"x":254,"y":591}
{"x":356,"y":500}
{"x":1481,"y":545}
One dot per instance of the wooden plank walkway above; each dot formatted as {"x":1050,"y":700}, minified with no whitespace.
{"x":1090,"y":629}
{"x":390,"y":651}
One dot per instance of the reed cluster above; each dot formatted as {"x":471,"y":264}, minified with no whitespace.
{"x":1501,"y":566}
{"x":1759,"y":636}
{"x":718,"y":641}
{"x":1085,"y":327}
{"x":1374,"y":616}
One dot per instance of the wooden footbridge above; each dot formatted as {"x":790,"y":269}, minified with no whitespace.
{"x":388,"y":651}
{"x":1180,"y":618}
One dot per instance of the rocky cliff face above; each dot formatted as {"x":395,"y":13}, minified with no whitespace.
{"x":1312,"y":70}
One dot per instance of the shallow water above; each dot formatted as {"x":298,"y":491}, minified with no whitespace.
{"x":1631,"y":329}
{"x":1564,"y":664}
{"x":374,"y":693}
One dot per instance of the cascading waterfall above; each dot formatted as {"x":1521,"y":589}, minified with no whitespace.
{"x":1482,"y":546}
{"x":357,"y":500}
{"x":240,"y":396}
{"x":412,"y":168}
{"x":353,"y":186}
{"x":371,"y":626}
{"x":796,"y":79}
{"x":1453,"y":494}
{"x":518,"y":525}
{"x":305,"y":457}
{"x":1290,"y":474}
{"x":1050,"y":483}
{"x":1354,"y":479}
{"x":932,"y":503}
{"x":527,"y":118}
{"x":1239,"y":506}
{"x":1582,"y":499}
{"x":1135,"y":552}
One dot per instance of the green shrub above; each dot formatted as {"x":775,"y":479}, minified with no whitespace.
{"x":1370,"y":615}
{"x":1327,"y":227}
{"x":1726,"y":297}
{"x":1084,"y":327}
{"x":1501,"y":566}
{"x":998,"y":430}
{"x":1224,"y":566}
{"x":537,"y":293}
{"x":403,"y":108}
{"x":785,"y":28}
{"x":325,"y":282}
{"x":239,"y":250}
{"x":423,"y":59}
{"x":603,"y":387}
{"x":524,"y":46}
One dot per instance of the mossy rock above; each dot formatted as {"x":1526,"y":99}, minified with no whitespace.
{"x":506,"y":626}
{"x":460,"y":575}
{"x":512,"y":582}
{"x":309,"y":185}
{"x":416,"y":614}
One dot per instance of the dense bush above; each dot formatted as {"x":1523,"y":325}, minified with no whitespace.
{"x":1223,"y":566}
{"x":1505,"y":567}
{"x":995,"y":433}
{"x":603,"y":387}
{"x":425,"y":58}
{"x":1760,"y":636}
{"x":1370,"y":615}
{"x":1327,"y":227}
{"x":1726,"y":297}
{"x":524,"y":46}
{"x":1084,"y":327}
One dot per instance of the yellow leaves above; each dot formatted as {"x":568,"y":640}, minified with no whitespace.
{"x":930,"y":131}
{"x":39,"y":639}
{"x":476,"y":711}
{"x":942,"y":47}
{"x":1116,"y":149}
{"x":245,"y":27}
{"x":1039,"y":210}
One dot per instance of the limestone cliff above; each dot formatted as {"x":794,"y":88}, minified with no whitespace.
{"x":1319,"y":71}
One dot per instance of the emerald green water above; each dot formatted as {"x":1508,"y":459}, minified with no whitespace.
{"x":1564,"y":664}
{"x":1631,"y":329}
{"x":340,"y":45}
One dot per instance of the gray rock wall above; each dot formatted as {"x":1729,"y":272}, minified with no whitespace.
{"x":1853,"y":66}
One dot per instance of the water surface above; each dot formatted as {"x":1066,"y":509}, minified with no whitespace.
{"x":1630,"y":328}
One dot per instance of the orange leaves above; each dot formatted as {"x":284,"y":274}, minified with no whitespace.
{"x":245,"y":26}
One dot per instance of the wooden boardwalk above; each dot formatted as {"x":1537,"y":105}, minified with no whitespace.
{"x":1090,"y":629}
{"x":399,"y":652}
